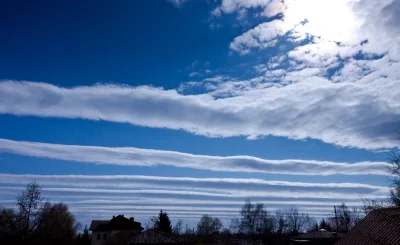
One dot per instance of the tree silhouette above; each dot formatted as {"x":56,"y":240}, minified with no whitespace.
{"x":30,"y":203}
{"x":254,"y":219}
{"x":8,"y":224}
{"x":296,"y":221}
{"x":208,"y":225}
{"x":345,"y":219}
{"x":85,"y":240}
{"x":163,"y":222}
{"x":394,"y":167}
{"x":324,"y":225}
{"x":56,"y":224}
{"x":35,"y":222}
{"x":280,"y":222}
{"x":394,"y":195}
{"x":178,"y":227}
{"x":314,"y":227}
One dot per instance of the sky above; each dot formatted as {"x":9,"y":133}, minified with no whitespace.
{"x":127,"y":107}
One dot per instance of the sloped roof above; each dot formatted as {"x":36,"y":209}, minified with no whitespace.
{"x":116,"y":223}
{"x":154,"y":236}
{"x":96,"y":223}
{"x":379,"y":227}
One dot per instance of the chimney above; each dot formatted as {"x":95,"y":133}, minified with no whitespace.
{"x":131,"y":219}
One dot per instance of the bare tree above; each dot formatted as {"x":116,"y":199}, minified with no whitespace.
{"x":280,"y":222}
{"x":234,"y":227}
{"x":268,"y":225}
{"x":189,"y":231}
{"x":254,"y":219}
{"x":208,"y":225}
{"x":325,"y":225}
{"x":313,"y":227}
{"x":394,"y":167}
{"x":178,"y":227}
{"x":357,"y":215}
{"x":394,"y":195}
{"x":296,"y":221}
{"x":345,"y":218}
{"x":30,"y":203}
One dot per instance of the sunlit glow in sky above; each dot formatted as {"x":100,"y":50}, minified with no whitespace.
{"x":331,"y":20}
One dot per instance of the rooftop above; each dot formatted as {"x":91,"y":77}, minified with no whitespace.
{"x":381,"y":226}
{"x":116,"y":223}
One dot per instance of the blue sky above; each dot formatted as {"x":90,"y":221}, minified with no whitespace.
{"x":195,"y":106}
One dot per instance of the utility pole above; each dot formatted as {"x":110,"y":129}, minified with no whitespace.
{"x":337,"y":225}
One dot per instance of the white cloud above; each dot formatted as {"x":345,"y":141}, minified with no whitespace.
{"x":200,"y":203}
{"x":357,"y":107}
{"x":91,"y":195}
{"x":322,"y":54}
{"x":275,"y":74}
{"x":297,"y":76}
{"x":130,"y":156}
{"x":184,"y":209}
{"x":270,"y":7}
{"x":346,"y":50}
{"x":88,"y":204}
{"x":93,"y":205}
{"x":193,"y":74}
{"x":262,"y":36}
{"x":352,"y":71}
{"x":322,"y":18}
{"x":187,"y":194}
{"x":276,"y":61}
{"x":273,"y":8}
{"x":359,"y":20}
{"x":239,"y":186}
{"x":314,"y":108}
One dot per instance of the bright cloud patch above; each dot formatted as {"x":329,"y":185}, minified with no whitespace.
{"x":262,"y":36}
{"x":359,"y":21}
